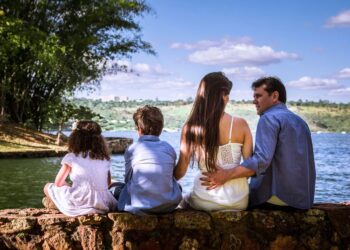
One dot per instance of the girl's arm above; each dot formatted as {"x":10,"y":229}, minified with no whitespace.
{"x":60,"y":179}
{"x":184,"y":158}
{"x":109,"y":179}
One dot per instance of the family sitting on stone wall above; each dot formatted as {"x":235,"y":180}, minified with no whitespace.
{"x":281,"y":168}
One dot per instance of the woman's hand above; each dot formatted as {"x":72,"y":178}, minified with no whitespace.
{"x":215,"y":179}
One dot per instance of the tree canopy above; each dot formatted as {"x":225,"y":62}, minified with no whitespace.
{"x":50,"y":48}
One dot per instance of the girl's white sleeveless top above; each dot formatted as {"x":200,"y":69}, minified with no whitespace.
{"x":233,"y":194}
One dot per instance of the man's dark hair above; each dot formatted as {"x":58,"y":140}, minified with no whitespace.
{"x":272,"y":84}
{"x":149,"y":119}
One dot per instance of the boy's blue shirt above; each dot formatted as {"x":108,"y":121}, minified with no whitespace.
{"x":150,"y":185}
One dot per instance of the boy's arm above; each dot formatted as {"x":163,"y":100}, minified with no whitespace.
{"x":128,"y":166}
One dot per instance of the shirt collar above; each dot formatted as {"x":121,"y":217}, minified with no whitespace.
{"x":279,"y":105}
{"x":149,"y":138}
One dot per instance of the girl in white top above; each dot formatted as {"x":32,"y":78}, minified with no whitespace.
{"x":216,"y":141}
{"x":88,"y":166}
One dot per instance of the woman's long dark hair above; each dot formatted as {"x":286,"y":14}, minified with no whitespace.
{"x":202,"y":133}
{"x":86,"y":139}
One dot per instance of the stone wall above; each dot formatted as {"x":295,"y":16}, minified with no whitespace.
{"x":326,"y":226}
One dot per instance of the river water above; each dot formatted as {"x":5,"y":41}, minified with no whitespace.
{"x":22,"y":180}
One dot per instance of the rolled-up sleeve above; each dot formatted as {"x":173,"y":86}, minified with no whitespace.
{"x":265,"y":145}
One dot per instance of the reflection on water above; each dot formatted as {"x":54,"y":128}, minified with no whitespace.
{"x":22,"y":180}
{"x":332,"y":156}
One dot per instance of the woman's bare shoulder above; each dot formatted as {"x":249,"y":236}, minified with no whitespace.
{"x":240,"y":121}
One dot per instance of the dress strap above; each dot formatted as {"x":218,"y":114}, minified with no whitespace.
{"x":229,"y":139}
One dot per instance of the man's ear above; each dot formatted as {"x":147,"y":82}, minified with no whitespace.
{"x":275,"y":96}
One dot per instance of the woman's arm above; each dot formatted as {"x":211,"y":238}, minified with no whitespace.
{"x":61,"y":176}
{"x":247,"y":149}
{"x":184,"y":158}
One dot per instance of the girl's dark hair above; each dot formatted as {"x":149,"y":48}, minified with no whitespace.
{"x":149,"y":119}
{"x":86,"y":139}
{"x":202,"y":133}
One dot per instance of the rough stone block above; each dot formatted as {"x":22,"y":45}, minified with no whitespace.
{"x":192,"y":220}
{"x":17,"y":225}
{"x":127,"y":221}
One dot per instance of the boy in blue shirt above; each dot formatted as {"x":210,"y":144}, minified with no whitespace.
{"x":150,"y":186}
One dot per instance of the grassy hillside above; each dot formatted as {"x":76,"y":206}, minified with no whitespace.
{"x":118,"y":116}
{"x":332,"y":119}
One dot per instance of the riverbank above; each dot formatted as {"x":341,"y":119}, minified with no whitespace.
{"x":19,"y":142}
{"x":325,"y":226}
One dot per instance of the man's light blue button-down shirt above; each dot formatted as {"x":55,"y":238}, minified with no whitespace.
{"x":283,"y":159}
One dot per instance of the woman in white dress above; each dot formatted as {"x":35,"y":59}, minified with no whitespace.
{"x":88,"y":166}
{"x":215,"y":140}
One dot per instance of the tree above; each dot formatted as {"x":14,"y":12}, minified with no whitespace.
{"x":50,"y":48}
{"x":66,"y":110}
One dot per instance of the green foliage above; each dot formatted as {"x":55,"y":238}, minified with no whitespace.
{"x":50,"y":48}
{"x":67,"y":110}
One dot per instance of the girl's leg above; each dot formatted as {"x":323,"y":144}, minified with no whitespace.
{"x":47,"y":202}
{"x":46,"y":187}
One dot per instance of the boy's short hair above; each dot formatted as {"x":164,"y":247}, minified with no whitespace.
{"x":149,"y":119}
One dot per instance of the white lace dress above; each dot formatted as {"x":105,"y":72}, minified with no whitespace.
{"x":89,"y":192}
{"x":232,"y":195}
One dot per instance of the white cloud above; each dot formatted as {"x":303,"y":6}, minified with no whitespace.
{"x":340,"y":92}
{"x":340,"y":20}
{"x":244,"y":73}
{"x":307,"y":82}
{"x":241,"y":53}
{"x":141,"y":80}
{"x":205,"y":44}
{"x":143,"y":68}
{"x":127,"y":80}
{"x":344,"y":73}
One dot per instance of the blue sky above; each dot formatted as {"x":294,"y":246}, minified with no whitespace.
{"x":305,"y":43}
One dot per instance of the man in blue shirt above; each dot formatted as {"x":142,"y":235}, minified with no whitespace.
{"x":282,"y":168}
